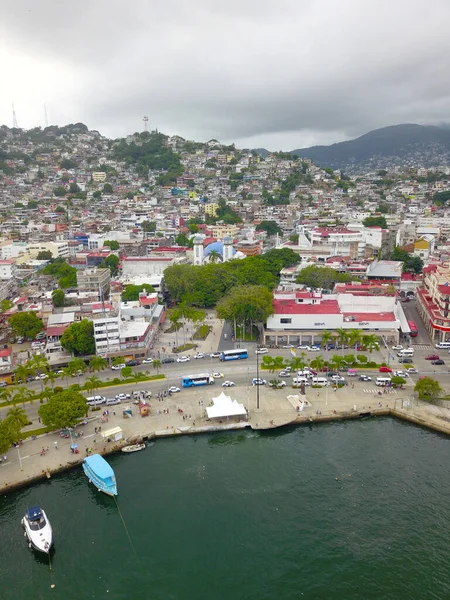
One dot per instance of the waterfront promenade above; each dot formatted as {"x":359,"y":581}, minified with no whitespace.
{"x":275,"y":410}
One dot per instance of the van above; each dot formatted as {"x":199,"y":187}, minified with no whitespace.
{"x":352,"y":373}
{"x":299,"y":381}
{"x":443,"y":345}
{"x":406,"y":352}
{"x":94,"y":400}
{"x":320,"y":381}
{"x":383,"y":381}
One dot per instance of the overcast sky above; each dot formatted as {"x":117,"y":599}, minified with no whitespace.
{"x":282,"y":74}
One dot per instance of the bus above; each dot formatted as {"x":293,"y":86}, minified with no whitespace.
{"x":413,"y":327}
{"x":234,"y":354}
{"x":194,"y":380}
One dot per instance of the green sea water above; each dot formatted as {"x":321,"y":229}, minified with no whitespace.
{"x":247,"y":516}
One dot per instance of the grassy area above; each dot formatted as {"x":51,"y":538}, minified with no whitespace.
{"x":40,"y":431}
{"x":174,"y":327}
{"x":184,"y":347}
{"x":245,"y":335}
{"x":202,"y":332}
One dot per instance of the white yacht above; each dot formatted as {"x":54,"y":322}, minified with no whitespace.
{"x":38,"y":529}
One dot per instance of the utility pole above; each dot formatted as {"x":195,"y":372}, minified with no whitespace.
{"x":14,"y":117}
{"x":45,"y":116}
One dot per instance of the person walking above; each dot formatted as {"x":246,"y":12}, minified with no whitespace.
{"x":55,"y":444}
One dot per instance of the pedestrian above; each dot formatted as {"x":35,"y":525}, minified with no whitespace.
{"x":114,"y":412}
{"x":5,"y":458}
{"x":95,"y":429}
{"x":56,"y":445}
{"x":39,"y":419}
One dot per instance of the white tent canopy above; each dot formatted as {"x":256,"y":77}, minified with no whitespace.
{"x":224,"y":406}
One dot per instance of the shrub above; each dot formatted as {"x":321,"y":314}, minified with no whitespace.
{"x":202,"y":332}
{"x":184,"y":347}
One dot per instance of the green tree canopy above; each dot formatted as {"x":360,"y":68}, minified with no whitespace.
{"x":74,"y":188}
{"x":78,"y":338}
{"x":252,"y":303}
{"x":63,"y":272}
{"x":108,"y":188}
{"x":112,"y":263}
{"x":44,"y":255}
{"x":63,"y":409}
{"x":321,"y":277}
{"x":59,"y":191}
{"x":112,"y":244}
{"x":411,"y":264}
{"x":428,"y":388}
{"x":270,"y":227}
{"x":58,"y":298}
{"x":131,"y":292}
{"x":26,"y":324}
{"x":148,"y":226}
{"x":375,"y":222}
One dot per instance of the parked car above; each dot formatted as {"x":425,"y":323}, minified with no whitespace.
{"x":432,"y":357}
{"x":405,"y":360}
{"x":385,"y":369}
{"x":174,"y":389}
{"x":215,"y":354}
{"x":277,"y":384}
{"x":199,"y":355}
{"x":111,"y":401}
{"x":41,"y":376}
{"x":258,"y":381}
{"x":314,"y":349}
{"x":411,"y":370}
{"x":167,"y":360}
{"x":284,"y":374}
{"x":132,"y":363}
{"x":147,"y":361}
{"x":288,"y":346}
{"x":123,"y":396}
{"x":118,"y":367}
{"x":183,"y":359}
{"x":330,"y":347}
{"x":41,"y":335}
{"x":439,"y":361}
{"x":217,"y":375}
{"x":228,"y":384}
{"x":331,"y":373}
{"x":303,"y":347}
{"x":3,"y":384}
{"x":397,"y":348}
{"x":20,"y":340}
{"x":400,"y":374}
{"x":263,"y":350}
{"x":365,"y":378}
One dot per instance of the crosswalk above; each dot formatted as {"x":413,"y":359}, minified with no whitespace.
{"x":422,"y":346}
{"x":375,"y":391}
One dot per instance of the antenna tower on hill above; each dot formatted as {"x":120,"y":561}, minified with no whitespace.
{"x":14,"y":117}
{"x":45,"y":116}
{"x":145,"y":119}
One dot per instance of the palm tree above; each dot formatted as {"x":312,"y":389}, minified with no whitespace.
{"x":22,"y":394}
{"x":327,"y":337}
{"x":51,"y":378}
{"x":278,"y":364}
{"x":39,"y":364}
{"x":117,"y":360}
{"x":371,"y":342}
{"x":342,"y":335}
{"x":317,"y":363}
{"x":98,"y":363}
{"x":157,"y":364}
{"x":46,"y":393}
{"x":137,"y":377}
{"x":17,"y":418}
{"x":297,"y":364}
{"x":355,"y":338}
{"x":214,"y":256}
{"x":66,"y":375}
{"x":21,"y":373}
{"x":5,"y":395}
{"x":77,"y":367}
{"x":92,"y":383}
{"x":337,"y":362}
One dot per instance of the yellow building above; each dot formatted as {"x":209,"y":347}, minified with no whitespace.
{"x":98,"y":176}
{"x":211,"y":209}
{"x":221,"y":231}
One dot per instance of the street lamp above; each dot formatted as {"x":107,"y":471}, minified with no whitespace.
{"x":20,"y":458}
{"x":257,"y":378}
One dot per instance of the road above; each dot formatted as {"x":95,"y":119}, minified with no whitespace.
{"x":411,"y":312}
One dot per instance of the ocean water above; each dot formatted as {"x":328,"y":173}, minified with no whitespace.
{"x":352,"y":510}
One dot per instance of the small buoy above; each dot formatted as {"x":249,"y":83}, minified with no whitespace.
{"x":349,"y":474}
{"x":337,"y":478}
{"x":52,"y":586}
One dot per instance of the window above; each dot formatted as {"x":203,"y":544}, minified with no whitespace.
{"x":286,"y":321}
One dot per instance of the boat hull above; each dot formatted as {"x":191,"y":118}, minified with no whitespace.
{"x":107,"y":485}
{"x":41,"y":539}
{"x":133,"y":448}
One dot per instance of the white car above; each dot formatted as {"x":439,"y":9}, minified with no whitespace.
{"x":228,"y":384}
{"x":59,"y":372}
{"x":261,"y":351}
{"x":118,"y":367}
{"x":215,"y":354}
{"x":217,"y":375}
{"x":41,"y":376}
{"x":182,"y":359}
{"x":284,"y":373}
{"x":397,"y":348}
{"x":174,"y":389}
{"x":277,"y":384}
{"x":288,"y":346}
{"x":199,"y":355}
{"x":314,"y":349}
{"x":258,"y":381}
{"x":111,"y":401}
{"x":400,"y":374}
{"x":303,"y":347}
{"x":121,"y":397}
{"x":147,"y":361}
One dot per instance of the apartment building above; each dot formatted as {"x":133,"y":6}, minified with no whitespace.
{"x":433,"y":301}
{"x":96,"y":281}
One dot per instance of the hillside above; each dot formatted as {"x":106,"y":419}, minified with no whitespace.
{"x":406,"y":144}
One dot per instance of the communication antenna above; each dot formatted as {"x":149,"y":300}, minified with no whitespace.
{"x":45,"y":116}
{"x":145,"y":119}
{"x":14,"y":117}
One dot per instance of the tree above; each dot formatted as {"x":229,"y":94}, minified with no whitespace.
{"x":246,"y":304}
{"x":182,"y":239}
{"x":59,"y":191}
{"x":66,"y":275}
{"x":193,"y":228}
{"x":6,"y":304}
{"x":58,"y":298}
{"x":97,"y":194}
{"x":375,"y":222}
{"x":112,"y":263}
{"x":44,"y":255}
{"x":108,"y":188}
{"x":428,"y":388}
{"x":371,"y":342}
{"x":21,"y":373}
{"x":63,"y":409}
{"x":412,"y":264}
{"x":131,"y":292}
{"x":21,"y":395}
{"x":398,"y":381}
{"x":270,"y":227}
{"x":26,"y":324}
{"x":317,"y":363}
{"x":294,"y":238}
{"x":214,"y":256}
{"x":355,"y":338}
{"x":327,"y":338}
{"x":113,"y":244}
{"x":321,"y":277}
{"x":157,"y":364}
{"x":51,"y":378}
{"x":78,"y":338}
{"x":148,"y":226}
{"x":74,"y":188}
{"x":277,"y":364}
{"x":76,"y":365}
{"x":126,"y":372}
{"x":17,"y":417}
{"x":98,"y":363}
{"x":92,"y":383}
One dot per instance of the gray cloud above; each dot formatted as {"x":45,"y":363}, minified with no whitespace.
{"x":280,"y":74}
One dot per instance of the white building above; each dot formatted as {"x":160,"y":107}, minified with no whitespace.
{"x":7,"y":269}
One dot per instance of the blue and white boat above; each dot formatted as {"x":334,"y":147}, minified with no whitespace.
{"x":38,"y":529}
{"x":100,"y":473}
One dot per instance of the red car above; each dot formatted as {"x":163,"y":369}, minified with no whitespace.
{"x":385,"y":370}
{"x":432,"y":357}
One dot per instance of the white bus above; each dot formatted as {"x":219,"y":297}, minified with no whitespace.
{"x":234,"y":354}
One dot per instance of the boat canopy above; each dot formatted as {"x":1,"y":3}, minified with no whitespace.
{"x":98,"y":464}
{"x":34,"y":514}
